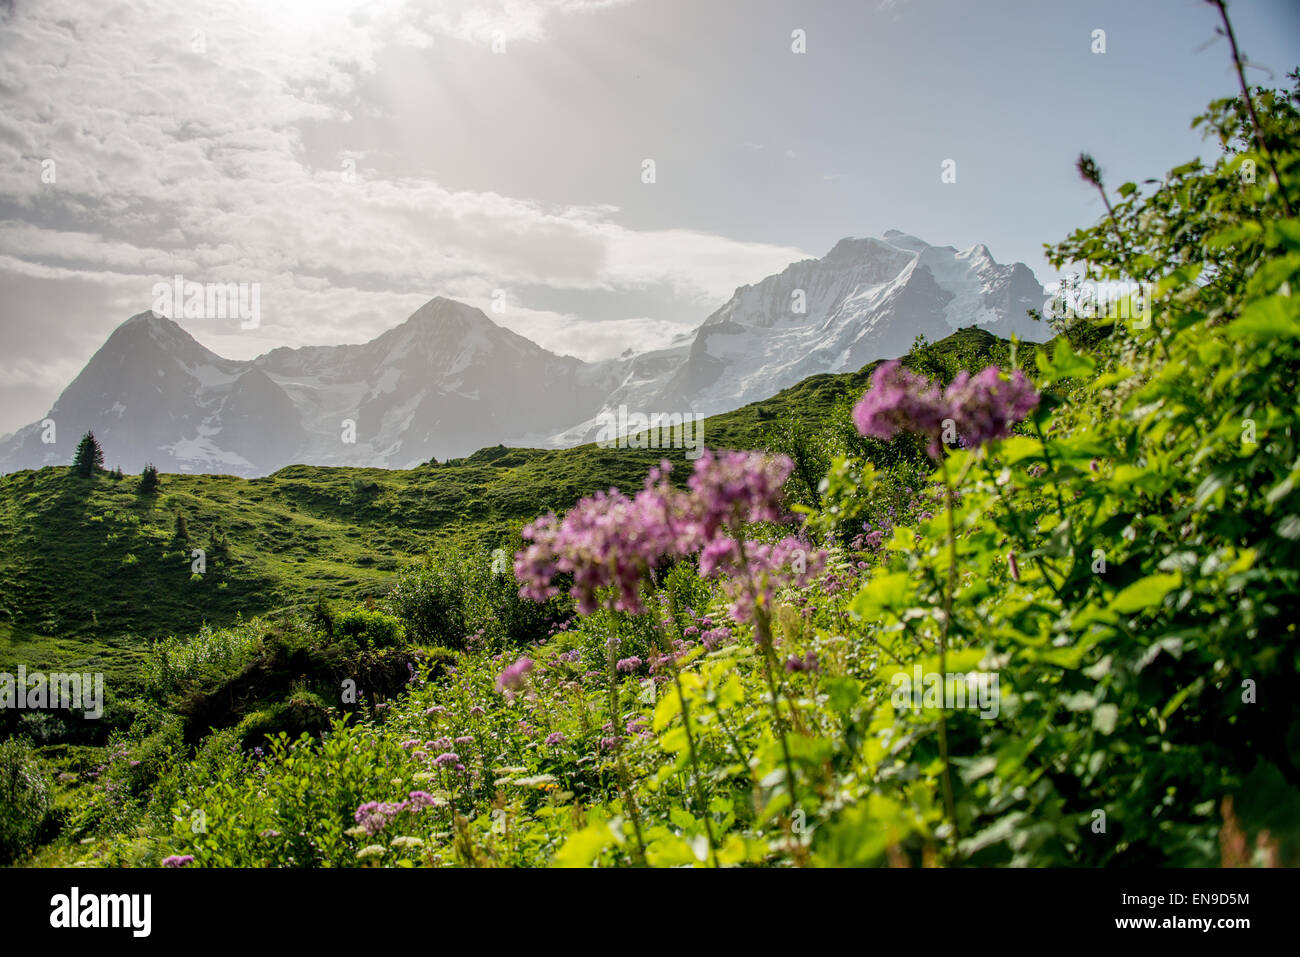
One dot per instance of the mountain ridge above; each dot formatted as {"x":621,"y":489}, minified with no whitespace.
{"x":448,"y":380}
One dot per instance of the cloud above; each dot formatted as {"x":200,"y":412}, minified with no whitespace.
{"x":176,"y":137}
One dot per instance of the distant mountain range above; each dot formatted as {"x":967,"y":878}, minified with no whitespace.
{"x":449,"y":380}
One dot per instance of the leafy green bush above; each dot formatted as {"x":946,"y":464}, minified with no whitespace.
{"x":370,"y":628}
{"x":25,"y":798}
{"x":471,"y":599}
{"x":208,"y":657}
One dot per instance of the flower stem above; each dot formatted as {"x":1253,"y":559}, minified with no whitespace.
{"x":948,"y":803}
{"x":625,"y":779}
{"x":1250,"y":107}
{"x":763,"y":631}
{"x":705,"y":813}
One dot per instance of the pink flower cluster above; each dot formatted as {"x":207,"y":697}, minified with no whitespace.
{"x":608,"y":540}
{"x":374,"y":816}
{"x":982,"y":407}
{"x":763,"y":568}
{"x":612,"y":541}
{"x":513,"y":676}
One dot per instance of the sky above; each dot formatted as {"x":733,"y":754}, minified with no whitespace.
{"x":356,"y":158}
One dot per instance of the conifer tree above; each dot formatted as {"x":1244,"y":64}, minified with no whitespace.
{"x":148,"y":480}
{"x":89,"y":458}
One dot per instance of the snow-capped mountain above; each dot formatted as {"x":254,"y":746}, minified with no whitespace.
{"x":866,"y":299}
{"x":448,"y":380}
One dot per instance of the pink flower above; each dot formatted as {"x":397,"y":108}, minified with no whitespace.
{"x":764,"y":569}
{"x":900,"y":400}
{"x":605,"y":541}
{"x":418,"y":800}
{"x":513,"y":676}
{"x":734,"y":489}
{"x":981,"y":408}
{"x":985,"y":406}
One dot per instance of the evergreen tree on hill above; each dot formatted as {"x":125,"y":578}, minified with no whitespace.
{"x":89,"y":458}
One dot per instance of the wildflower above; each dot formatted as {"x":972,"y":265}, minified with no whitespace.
{"x":629,"y":664}
{"x":731,"y":490}
{"x":465,"y":739}
{"x":371,"y":852}
{"x":405,"y":841}
{"x":606,"y":541}
{"x":763,"y":569}
{"x":446,"y":758}
{"x":608,"y":744}
{"x":985,"y":406}
{"x":477,"y":711}
{"x":715,"y":637}
{"x":419,"y":800}
{"x":178,"y":860}
{"x":900,"y":400}
{"x":555,"y":737}
{"x":513,"y":676}
{"x":1013,"y":566}
{"x":373,"y":816}
{"x":408,"y":745}
{"x":807,"y":663}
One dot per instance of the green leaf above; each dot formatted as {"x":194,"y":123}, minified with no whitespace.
{"x":1276,"y":317}
{"x":583,"y":847}
{"x":1065,"y":363}
{"x":885,"y":592}
{"x":669,"y":706}
{"x":1144,"y":593}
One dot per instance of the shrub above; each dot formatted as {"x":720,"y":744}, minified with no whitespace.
{"x":24,"y":798}
{"x":458,"y":600}
{"x":371,"y":628}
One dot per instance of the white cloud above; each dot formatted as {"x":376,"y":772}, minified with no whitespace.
{"x":177,"y":137}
